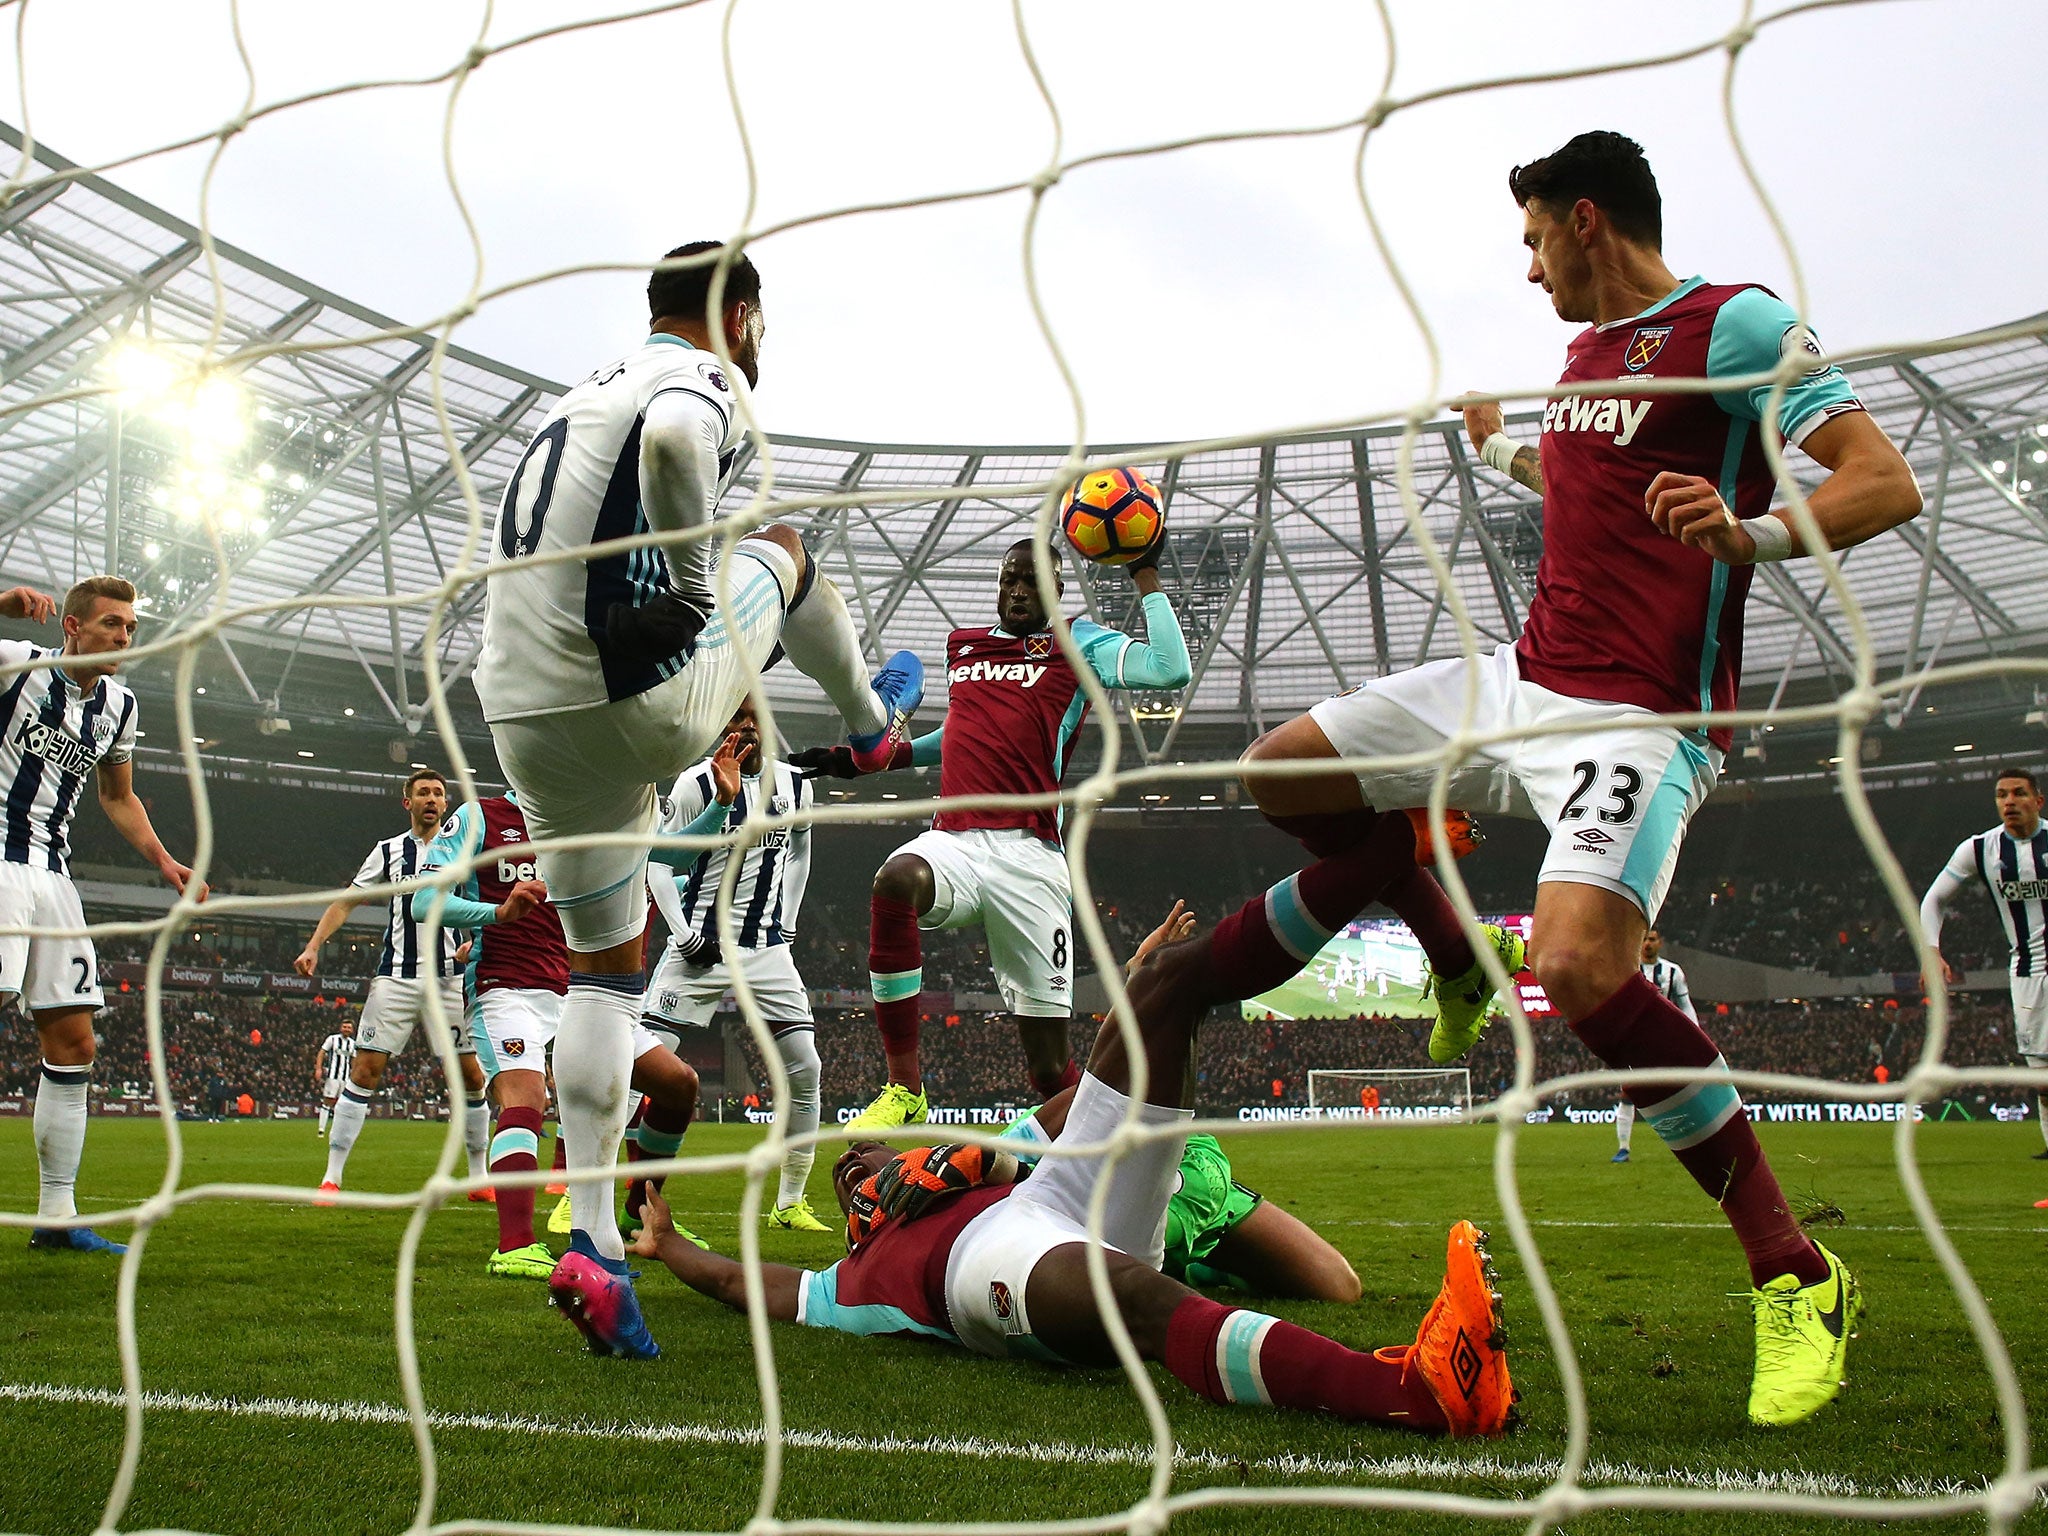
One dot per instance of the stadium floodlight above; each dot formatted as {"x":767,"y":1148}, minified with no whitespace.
{"x":2041,"y":455}
{"x":1998,"y":466}
{"x":141,"y":374}
{"x":152,"y":549}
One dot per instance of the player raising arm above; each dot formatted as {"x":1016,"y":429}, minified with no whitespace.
{"x":1655,"y":510}
{"x":2010,"y":862}
{"x":56,"y":726}
{"x":1013,"y":706}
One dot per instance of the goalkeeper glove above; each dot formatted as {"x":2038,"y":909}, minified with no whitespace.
{"x":914,"y":1179}
{"x":662,"y":629}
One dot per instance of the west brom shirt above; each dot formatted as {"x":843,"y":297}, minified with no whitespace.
{"x":1013,"y":705}
{"x":1669,"y":980}
{"x":1623,"y":613}
{"x":2015,"y":872}
{"x":530,"y":954}
{"x":52,"y":734}
{"x":773,"y":874}
{"x":340,"y":1051}
{"x":544,"y":649}
{"x":404,"y":953}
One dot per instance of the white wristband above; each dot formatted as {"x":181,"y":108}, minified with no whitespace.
{"x":1498,"y":451}
{"x":1773,"y":538}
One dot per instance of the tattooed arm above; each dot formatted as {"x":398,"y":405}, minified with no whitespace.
{"x":1482,"y":420}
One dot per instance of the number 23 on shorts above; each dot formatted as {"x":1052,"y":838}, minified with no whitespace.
{"x":1620,"y":804}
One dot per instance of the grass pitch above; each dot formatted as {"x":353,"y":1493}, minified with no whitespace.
{"x":269,"y":1330}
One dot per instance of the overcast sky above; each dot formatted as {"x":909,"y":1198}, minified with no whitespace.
{"x":1215,"y":290}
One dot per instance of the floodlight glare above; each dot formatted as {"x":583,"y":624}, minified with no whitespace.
{"x":188,"y":506}
{"x":216,"y":417}
{"x":141,"y":374}
{"x":212,"y":483}
{"x":151,"y":550}
{"x":296,"y":482}
{"x":1998,"y":466}
{"x":252,"y":496}
{"x":266,"y":471}
{"x":158,"y":496}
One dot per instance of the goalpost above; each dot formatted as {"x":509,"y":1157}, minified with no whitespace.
{"x":1391,"y":1091}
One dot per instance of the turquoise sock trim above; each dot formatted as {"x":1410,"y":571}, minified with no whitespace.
{"x":657,"y":1144}
{"x":1301,"y":935}
{"x":1693,"y":1114}
{"x":513,"y":1141}
{"x":895,"y":986}
{"x":1237,"y":1356}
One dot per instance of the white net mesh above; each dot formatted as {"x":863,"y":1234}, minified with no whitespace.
{"x":473,"y":419}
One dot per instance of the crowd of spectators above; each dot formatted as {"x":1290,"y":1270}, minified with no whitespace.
{"x":975,"y":1059}
{"x":1840,"y":925}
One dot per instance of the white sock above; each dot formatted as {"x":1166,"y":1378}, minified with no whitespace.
{"x":350,"y":1111}
{"x":819,"y":638}
{"x":799,"y":1047}
{"x":476,"y":1134}
{"x":593,"y":1078}
{"x":324,"y":1108}
{"x":60,"y":1136}
{"x":1624,"y":1122}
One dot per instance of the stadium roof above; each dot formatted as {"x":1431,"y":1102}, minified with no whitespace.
{"x":1291,"y":559}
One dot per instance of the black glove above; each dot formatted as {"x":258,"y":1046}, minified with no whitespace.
{"x":1149,"y":561}
{"x":661,"y":630}
{"x":824,"y":763}
{"x":698,"y":952}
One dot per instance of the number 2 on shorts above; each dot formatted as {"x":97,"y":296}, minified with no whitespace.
{"x":1624,"y":791}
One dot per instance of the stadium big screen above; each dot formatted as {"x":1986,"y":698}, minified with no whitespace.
{"x":1375,"y":968}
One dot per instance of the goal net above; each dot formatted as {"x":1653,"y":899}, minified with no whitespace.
{"x":1394,"y":1093}
{"x":291,"y":474}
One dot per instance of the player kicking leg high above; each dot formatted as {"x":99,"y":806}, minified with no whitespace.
{"x":605,"y":675}
{"x":1655,"y":510}
{"x":943,"y":1246}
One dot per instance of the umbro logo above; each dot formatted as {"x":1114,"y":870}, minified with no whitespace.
{"x":1466,"y":1365}
{"x":1592,"y":839}
{"x":512,"y":834}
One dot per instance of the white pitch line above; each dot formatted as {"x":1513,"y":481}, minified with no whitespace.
{"x":1486,"y":1468}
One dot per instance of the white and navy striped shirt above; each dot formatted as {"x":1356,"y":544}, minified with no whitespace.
{"x":340,"y":1052}
{"x":771,"y":881}
{"x":395,"y":859}
{"x":1669,"y":980}
{"x":52,"y":734}
{"x":2015,"y":872}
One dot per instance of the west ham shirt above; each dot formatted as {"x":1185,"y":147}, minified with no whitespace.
{"x":530,"y":954}
{"x":1622,"y":612}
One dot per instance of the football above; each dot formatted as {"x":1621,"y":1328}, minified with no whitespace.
{"x":1112,"y":516}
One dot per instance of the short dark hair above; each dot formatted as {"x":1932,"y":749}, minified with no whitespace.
{"x":1028,"y":546}
{"x":423,"y":773}
{"x":2016,"y":773}
{"x":1606,"y":168}
{"x":683,"y":292}
{"x":78,"y":602}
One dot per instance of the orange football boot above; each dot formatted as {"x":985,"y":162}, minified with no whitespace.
{"x":1461,"y":1347}
{"x":1460,"y":831}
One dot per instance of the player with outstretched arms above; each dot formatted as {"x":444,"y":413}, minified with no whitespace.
{"x":1656,"y":508}
{"x":2010,"y":863}
{"x":1013,"y":705}
{"x":330,"y":1068}
{"x":57,"y":725}
{"x":1669,"y":980}
{"x":692,"y":978}
{"x":406,"y":970}
{"x":604,"y":675}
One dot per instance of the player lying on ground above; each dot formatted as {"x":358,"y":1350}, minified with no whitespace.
{"x":56,"y":726}
{"x":942,"y":1247}
{"x":1655,"y":510}
{"x":1013,"y":704}
{"x":397,"y":1002}
{"x":2011,"y":863}
{"x":693,"y":978}
{"x":604,"y":675}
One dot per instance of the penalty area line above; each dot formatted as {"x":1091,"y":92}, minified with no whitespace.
{"x":1486,"y":1467}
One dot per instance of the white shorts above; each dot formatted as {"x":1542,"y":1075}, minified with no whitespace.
{"x":396,"y":1004}
{"x":518,"y":1026}
{"x":597,"y":770}
{"x":681,"y":993}
{"x":1016,"y":887}
{"x":2030,"y":1014}
{"x":1615,"y":795}
{"x":989,"y":1270}
{"x":45,"y":973}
